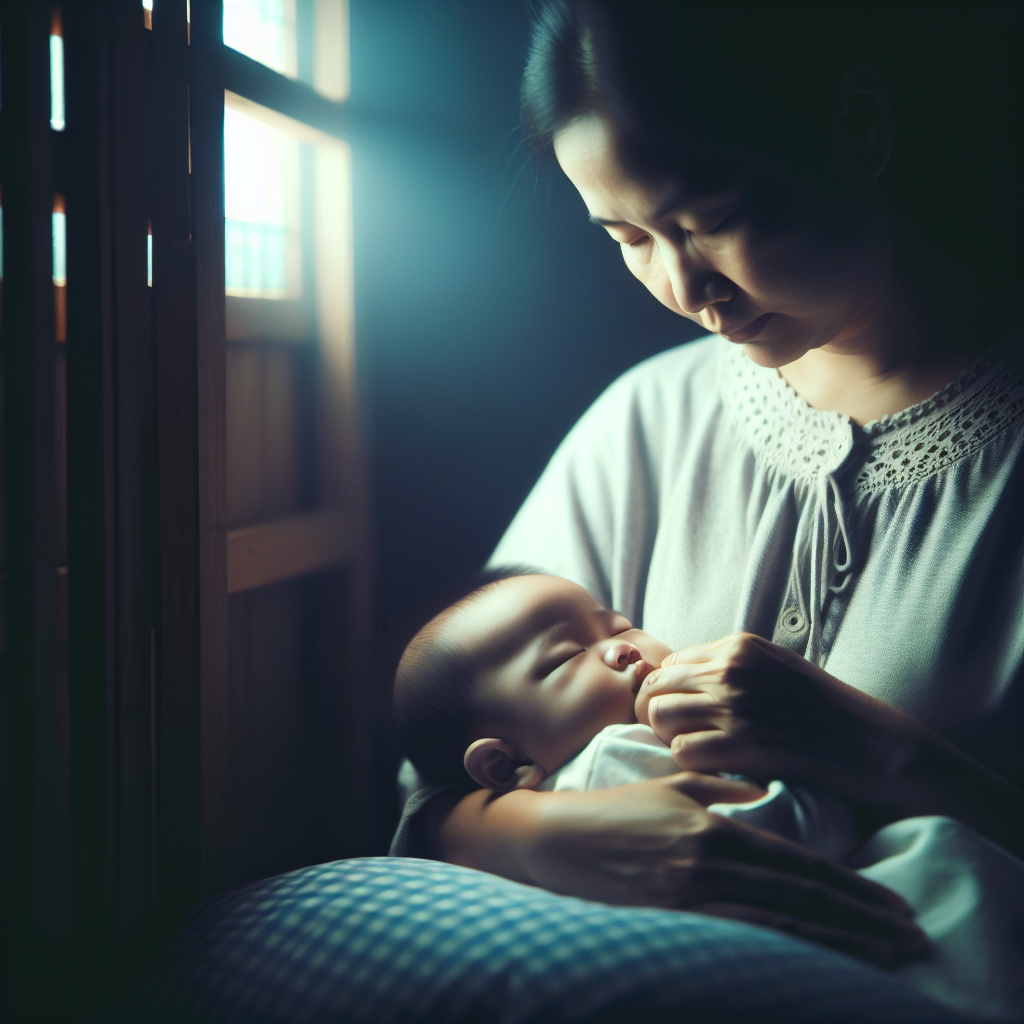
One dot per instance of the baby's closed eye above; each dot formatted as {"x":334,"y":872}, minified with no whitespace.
{"x":558,"y":659}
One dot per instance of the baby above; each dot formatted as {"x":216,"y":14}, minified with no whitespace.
{"x":530,"y":683}
{"x":510,"y":683}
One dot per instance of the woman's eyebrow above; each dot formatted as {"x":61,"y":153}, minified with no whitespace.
{"x":676,"y":199}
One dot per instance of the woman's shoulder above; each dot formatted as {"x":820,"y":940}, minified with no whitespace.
{"x":690,"y":365}
{"x":654,"y":409}
{"x":679,"y":381}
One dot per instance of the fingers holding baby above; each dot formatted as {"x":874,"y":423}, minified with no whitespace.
{"x":708,"y":789}
{"x":743,"y":704}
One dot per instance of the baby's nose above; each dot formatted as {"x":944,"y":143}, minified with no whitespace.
{"x":621,"y":655}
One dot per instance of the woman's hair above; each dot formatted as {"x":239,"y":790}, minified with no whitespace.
{"x":434,"y":707}
{"x":733,"y":72}
{"x":752,"y":75}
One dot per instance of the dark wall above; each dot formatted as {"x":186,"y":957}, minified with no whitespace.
{"x":490,"y":313}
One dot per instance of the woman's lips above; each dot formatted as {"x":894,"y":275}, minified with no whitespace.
{"x":749,"y":332}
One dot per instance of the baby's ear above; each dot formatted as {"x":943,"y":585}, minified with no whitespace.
{"x":495,"y":764}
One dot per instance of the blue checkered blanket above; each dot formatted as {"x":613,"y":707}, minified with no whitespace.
{"x":391,"y":939}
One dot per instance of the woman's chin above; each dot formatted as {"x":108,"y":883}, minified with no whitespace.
{"x":773,"y":354}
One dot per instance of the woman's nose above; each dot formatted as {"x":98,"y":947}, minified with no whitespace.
{"x":621,"y":655}
{"x":696,"y":287}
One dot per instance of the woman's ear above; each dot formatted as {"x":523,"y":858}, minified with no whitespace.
{"x":867,"y":118}
{"x":495,"y":764}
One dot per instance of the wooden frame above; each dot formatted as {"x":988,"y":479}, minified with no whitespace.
{"x":117,"y":783}
{"x":35,"y":867}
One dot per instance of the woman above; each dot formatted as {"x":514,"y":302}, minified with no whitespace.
{"x":840,"y":477}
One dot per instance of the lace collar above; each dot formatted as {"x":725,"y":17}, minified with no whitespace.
{"x":791,"y":437}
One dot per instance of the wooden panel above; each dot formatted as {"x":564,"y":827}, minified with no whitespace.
{"x":272,"y":778}
{"x":289,"y":781}
{"x":35,"y":864}
{"x":270,"y":552}
{"x":267,"y":433}
{"x":176,"y":720}
{"x":207,"y":139}
{"x":267,"y":319}
{"x":92,"y":557}
{"x":177,"y":832}
{"x":135,"y":468}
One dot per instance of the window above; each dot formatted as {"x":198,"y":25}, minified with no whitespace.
{"x":261,"y":204}
{"x":295,"y":502}
{"x":307,"y":41}
{"x":263,"y":30}
{"x":56,"y":70}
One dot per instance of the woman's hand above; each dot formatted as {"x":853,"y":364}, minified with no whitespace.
{"x":742,"y":704}
{"x":650,"y":844}
{"x":709,"y":789}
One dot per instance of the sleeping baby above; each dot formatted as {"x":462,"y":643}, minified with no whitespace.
{"x":530,"y":683}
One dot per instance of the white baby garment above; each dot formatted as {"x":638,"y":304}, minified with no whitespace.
{"x":967,"y":893}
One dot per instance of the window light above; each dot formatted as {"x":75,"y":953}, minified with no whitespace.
{"x":56,"y":70}
{"x":60,"y":269}
{"x":60,"y":242}
{"x":261,"y":207}
{"x":263,"y":30}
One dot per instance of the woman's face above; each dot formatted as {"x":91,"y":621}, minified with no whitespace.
{"x":761,"y":257}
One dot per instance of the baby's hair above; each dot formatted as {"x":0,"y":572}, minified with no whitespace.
{"x":434,"y":707}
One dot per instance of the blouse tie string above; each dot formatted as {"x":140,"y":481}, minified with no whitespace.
{"x":842,"y":549}
{"x":831,"y":555}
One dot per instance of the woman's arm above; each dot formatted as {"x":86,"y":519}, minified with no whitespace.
{"x":649,"y":844}
{"x":742,"y":704}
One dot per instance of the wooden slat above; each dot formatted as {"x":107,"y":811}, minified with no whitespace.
{"x":176,"y":822}
{"x":35,"y":883}
{"x":247,"y":77}
{"x":267,"y":319}
{"x":206,"y":107}
{"x":270,"y":552}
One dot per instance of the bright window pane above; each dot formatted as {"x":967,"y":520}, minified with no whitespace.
{"x":263,"y":30}
{"x":261,"y":209}
{"x":56,"y":73}
{"x":59,"y":231}
{"x":330,"y":48}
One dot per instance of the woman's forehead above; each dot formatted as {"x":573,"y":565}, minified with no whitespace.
{"x":620,"y":188}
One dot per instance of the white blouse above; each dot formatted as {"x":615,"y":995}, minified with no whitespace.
{"x":700,"y":495}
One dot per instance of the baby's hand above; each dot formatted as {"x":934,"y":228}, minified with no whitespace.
{"x":713,"y":789}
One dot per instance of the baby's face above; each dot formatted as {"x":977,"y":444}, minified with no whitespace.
{"x":554,"y":666}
